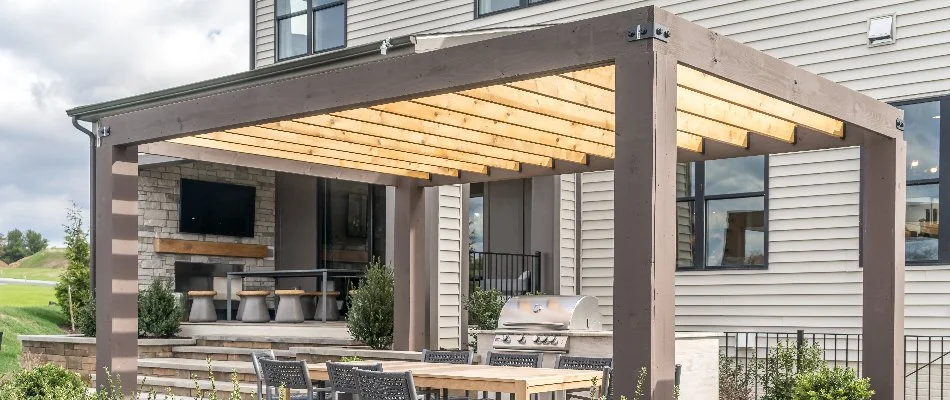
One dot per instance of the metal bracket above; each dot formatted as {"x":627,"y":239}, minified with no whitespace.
{"x":649,"y":31}
{"x":900,"y":124}
{"x":104,"y":131}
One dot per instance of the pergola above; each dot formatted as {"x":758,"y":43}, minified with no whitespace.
{"x":635,"y":92}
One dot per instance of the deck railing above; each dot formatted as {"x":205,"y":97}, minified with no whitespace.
{"x":511,"y":274}
{"x":926,"y":358}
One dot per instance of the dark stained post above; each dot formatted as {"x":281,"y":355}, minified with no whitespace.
{"x":116,"y":249}
{"x":409,"y":260}
{"x":883,"y":197}
{"x":644,"y":221}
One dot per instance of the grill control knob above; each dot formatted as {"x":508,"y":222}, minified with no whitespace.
{"x":537,"y":339}
{"x":506,"y":339}
{"x":545,"y":340}
{"x":522,"y":339}
{"x":554,"y":341}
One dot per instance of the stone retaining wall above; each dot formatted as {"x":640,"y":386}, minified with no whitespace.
{"x":78,"y":353}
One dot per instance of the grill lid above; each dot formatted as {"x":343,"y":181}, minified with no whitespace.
{"x":551,"y":313}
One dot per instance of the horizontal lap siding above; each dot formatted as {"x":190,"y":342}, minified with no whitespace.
{"x":450,"y":266}
{"x":265,"y":35}
{"x":567,"y":237}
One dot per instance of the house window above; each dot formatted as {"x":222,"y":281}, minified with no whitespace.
{"x":922,"y":130}
{"x":309,"y":26}
{"x":721,"y":214}
{"x":485,"y":7}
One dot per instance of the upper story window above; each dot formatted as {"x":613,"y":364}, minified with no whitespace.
{"x":923,"y":129}
{"x":721,"y":214}
{"x":309,"y":26}
{"x":485,"y":7}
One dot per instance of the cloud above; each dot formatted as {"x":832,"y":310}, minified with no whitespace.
{"x":57,"y":54}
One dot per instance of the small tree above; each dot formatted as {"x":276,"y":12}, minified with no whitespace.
{"x":86,"y":317}
{"x":159,"y":312}
{"x":786,"y":362}
{"x":16,"y":247}
{"x":371,"y":313}
{"x":484,"y":308}
{"x":76,"y":274}
{"x":35,"y":242}
{"x":831,"y":383}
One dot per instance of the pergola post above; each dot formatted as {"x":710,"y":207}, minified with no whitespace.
{"x":883,"y":197}
{"x":409,"y":262}
{"x":116,"y":250}
{"x":644,"y":221}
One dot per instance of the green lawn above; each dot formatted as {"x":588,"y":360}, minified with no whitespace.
{"x":43,"y":266}
{"x":24,"y":311}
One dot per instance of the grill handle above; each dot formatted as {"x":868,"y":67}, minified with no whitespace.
{"x":554,"y":325}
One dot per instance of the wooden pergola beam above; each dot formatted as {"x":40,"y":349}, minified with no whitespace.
{"x":514,"y":97}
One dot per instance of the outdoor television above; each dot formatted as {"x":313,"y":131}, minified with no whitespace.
{"x":217,"y":208}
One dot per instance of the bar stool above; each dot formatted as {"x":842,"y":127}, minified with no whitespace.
{"x":202,"y":306}
{"x":253,"y":307}
{"x":288,"y":306}
{"x":308,"y":304}
{"x":333,"y":313}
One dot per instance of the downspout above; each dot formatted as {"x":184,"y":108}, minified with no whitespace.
{"x":92,"y":202}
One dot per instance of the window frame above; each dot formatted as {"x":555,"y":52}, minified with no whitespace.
{"x":943,"y":184}
{"x":699,"y":198}
{"x":311,"y":35}
{"x":522,"y":4}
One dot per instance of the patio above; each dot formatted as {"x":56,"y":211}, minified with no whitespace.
{"x":635,"y":92}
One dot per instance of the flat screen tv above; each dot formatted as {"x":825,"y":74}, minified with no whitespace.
{"x":213,"y":208}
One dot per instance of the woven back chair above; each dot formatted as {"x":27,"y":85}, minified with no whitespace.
{"x":527,"y":360}
{"x":286,"y":374}
{"x":608,"y":384}
{"x":255,"y":357}
{"x":582,"y":363}
{"x":447,"y":356}
{"x":376,"y":385}
{"x":343,"y":379}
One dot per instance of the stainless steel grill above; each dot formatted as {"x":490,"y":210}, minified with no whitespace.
{"x":545,"y":323}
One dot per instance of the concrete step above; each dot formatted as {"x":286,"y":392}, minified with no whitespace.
{"x":223,"y":353}
{"x":185,"y":388}
{"x":187,"y":368}
{"x":271,"y":342}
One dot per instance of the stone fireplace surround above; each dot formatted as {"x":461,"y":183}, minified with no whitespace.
{"x":159,"y":196}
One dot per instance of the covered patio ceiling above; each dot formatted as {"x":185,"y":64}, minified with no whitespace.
{"x":636,"y":92}
{"x":547,"y":121}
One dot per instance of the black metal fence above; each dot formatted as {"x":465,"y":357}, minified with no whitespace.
{"x":927,"y":358}
{"x":511,"y":274}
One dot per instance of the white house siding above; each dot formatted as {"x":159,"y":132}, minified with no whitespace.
{"x":265,"y":33}
{"x":567,"y":237}
{"x":450,"y":266}
{"x":597,"y":239}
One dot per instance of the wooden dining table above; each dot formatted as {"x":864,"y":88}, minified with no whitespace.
{"x":521,"y":382}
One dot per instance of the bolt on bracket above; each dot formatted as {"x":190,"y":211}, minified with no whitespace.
{"x":649,"y":31}
{"x":900,"y":124}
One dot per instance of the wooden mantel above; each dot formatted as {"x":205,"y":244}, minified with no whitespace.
{"x":197,"y":247}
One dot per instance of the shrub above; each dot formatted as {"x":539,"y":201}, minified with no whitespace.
{"x":86,"y":317}
{"x":831,"y":384}
{"x":159,"y":311}
{"x":484,"y":307}
{"x":47,"y":382}
{"x":76,"y":275}
{"x":735,"y":380}
{"x":371,"y":312}
{"x":780,"y":372}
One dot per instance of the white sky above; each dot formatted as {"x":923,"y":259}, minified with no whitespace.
{"x":57,"y":54}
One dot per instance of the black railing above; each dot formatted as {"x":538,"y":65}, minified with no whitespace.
{"x":926,"y":358}
{"x":511,"y":274}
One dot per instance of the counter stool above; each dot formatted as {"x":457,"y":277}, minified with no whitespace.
{"x":202,"y":306}
{"x":333,"y":312}
{"x":253,"y":307}
{"x":308,"y":304}
{"x":288,"y":306}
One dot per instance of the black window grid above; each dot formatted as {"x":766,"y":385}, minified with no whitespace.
{"x":310,"y":11}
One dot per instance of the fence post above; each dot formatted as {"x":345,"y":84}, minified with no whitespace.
{"x":537,"y":271}
{"x":799,"y":344}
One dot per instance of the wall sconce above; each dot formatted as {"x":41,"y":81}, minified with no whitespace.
{"x":881,"y":30}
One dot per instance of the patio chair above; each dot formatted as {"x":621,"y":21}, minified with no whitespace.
{"x":377,"y":385}
{"x":446,"y":357}
{"x":521,"y":359}
{"x":342,"y":377}
{"x":255,"y":357}
{"x":286,"y":374}
{"x":607,"y":384}
{"x":583,"y":363}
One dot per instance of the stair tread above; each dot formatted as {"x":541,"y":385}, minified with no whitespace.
{"x":226,"y":350}
{"x":204,"y":384}
{"x":242,"y":367}
{"x":278,"y":339}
